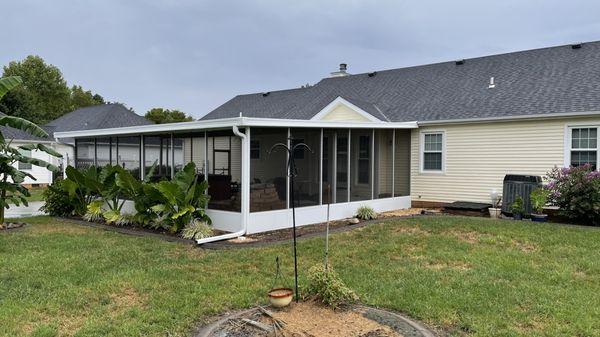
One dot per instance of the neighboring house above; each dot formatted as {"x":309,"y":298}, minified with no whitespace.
{"x":92,"y":117}
{"x":18,"y":137}
{"x":103,"y":116}
{"x":420,"y":135}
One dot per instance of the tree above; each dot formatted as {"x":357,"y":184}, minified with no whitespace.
{"x":162,"y":116}
{"x":81,"y":98}
{"x":11,"y":178}
{"x":44,"y":94}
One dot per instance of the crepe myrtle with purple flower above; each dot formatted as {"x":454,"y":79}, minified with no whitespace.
{"x":576,"y":191}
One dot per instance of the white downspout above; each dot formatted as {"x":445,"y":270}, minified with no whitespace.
{"x":245,"y":190}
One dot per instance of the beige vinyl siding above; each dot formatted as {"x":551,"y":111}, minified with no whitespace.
{"x":344,"y":113}
{"x":478,"y":156}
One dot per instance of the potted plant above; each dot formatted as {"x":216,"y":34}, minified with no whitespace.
{"x":539,"y":198}
{"x":517,"y":208}
{"x":495,"y":210}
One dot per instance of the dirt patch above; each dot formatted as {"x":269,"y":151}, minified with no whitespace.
{"x":62,"y":228}
{"x":413,"y":230}
{"x":448,"y":265}
{"x":526,"y":247}
{"x":66,"y":325}
{"x":125,"y":299}
{"x":464,"y":236}
{"x":306,"y":319}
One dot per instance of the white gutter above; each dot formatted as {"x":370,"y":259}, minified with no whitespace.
{"x":245,"y":194}
{"x":510,"y":118}
{"x":230,"y":122}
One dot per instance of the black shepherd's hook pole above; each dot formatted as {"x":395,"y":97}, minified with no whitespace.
{"x":292,"y":172}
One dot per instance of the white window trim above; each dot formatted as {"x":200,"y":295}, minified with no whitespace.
{"x":422,"y":152}
{"x":568,"y":141}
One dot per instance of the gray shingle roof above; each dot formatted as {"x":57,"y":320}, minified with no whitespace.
{"x":16,"y":134}
{"x":540,"y":81}
{"x":101,"y":116}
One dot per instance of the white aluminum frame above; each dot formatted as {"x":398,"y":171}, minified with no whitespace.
{"x":568,"y":141}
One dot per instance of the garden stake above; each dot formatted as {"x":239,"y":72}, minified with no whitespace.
{"x":292,"y":172}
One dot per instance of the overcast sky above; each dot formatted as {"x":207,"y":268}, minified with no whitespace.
{"x":195,"y":55}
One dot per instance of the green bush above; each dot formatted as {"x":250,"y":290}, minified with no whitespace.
{"x":327,"y":287}
{"x":517,"y":207}
{"x":366,"y":213}
{"x":98,"y":194}
{"x":57,"y":200}
{"x":539,"y":198}
{"x":576,"y":191}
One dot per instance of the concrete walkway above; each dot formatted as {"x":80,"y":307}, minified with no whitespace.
{"x":23,"y":211}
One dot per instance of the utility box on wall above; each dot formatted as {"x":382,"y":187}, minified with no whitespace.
{"x":515,"y":186}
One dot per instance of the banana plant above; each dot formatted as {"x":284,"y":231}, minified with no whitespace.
{"x":183,"y":199}
{"x":11,"y":190}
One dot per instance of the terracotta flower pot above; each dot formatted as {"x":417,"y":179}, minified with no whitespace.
{"x":280,"y":297}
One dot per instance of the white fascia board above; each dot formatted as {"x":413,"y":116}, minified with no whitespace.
{"x":511,"y":118}
{"x":229,"y":123}
{"x":340,"y":100}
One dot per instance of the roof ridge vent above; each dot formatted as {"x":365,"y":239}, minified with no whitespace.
{"x":372,"y":74}
{"x":576,"y":45}
{"x":459,"y":62}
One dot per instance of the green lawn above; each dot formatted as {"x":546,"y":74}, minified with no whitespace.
{"x":37,"y":194}
{"x":467,"y":276}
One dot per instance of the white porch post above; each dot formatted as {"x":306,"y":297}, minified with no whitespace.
{"x":393,"y":161}
{"x":321,"y":169}
{"x":246,"y":178}
{"x":172,"y":154}
{"x":348,"y":152}
{"x":142,"y":157}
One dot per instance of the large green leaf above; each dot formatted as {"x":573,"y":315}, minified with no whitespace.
{"x":24,"y":125}
{"x":169,"y":190}
{"x":41,"y":147}
{"x":8,"y":83}
{"x":39,"y":162}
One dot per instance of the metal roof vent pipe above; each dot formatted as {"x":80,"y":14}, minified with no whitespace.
{"x":342,"y":72}
{"x":492,"y":83}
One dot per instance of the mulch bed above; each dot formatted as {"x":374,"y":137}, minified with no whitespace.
{"x":258,"y":239}
{"x":131,"y":230}
{"x":311,"y":319}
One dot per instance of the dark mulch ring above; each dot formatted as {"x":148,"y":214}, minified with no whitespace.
{"x":11,"y":225}
{"x":310,"y":319}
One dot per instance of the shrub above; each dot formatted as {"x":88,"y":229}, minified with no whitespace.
{"x":576,"y":191}
{"x":57,"y":200}
{"x":517,"y":206}
{"x":366,"y":213}
{"x":197,"y":229}
{"x":327,"y":287}
{"x":539,"y":198}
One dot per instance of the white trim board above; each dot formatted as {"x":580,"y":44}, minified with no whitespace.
{"x":272,"y":220}
{"x":341,"y":101}
{"x":240,"y":122}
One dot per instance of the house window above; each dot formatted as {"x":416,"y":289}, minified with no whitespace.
{"x":25,"y":166}
{"x":433,"y":147}
{"x":254,"y":149}
{"x":364,"y":159}
{"x":584,"y":147}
